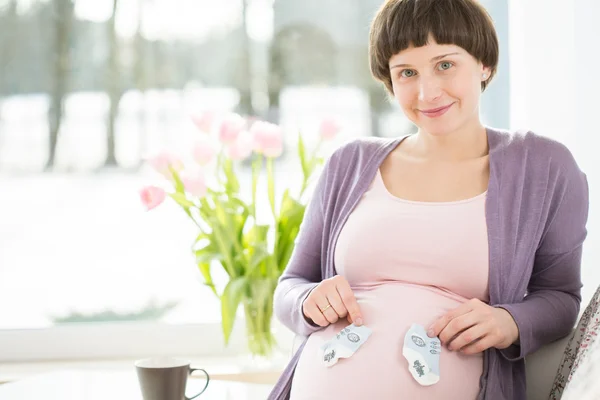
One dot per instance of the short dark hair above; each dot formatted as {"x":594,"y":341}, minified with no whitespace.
{"x":401,"y":23}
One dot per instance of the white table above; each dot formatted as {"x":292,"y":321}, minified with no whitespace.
{"x":117,"y":385}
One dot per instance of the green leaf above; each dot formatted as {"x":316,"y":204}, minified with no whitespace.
{"x":240,"y":223}
{"x":256,"y":235}
{"x":229,"y":226}
{"x":236,"y":201}
{"x":213,"y":192}
{"x":232,"y":184}
{"x":208,"y":254}
{"x":252,"y":260}
{"x":205,"y":209}
{"x":302,"y":156}
{"x":181,"y":200}
{"x":230,"y":300}
{"x":288,"y":226}
{"x":240,"y":212}
{"x":221,"y":237}
{"x":259,"y":255}
{"x":254,"y":242}
{"x":205,"y":271}
{"x":201,"y":236}
{"x":179,"y":187}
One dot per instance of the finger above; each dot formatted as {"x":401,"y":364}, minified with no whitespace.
{"x":347,"y":297}
{"x":325,"y":308}
{"x":479,"y":346}
{"x":330,"y":314}
{"x":440,"y":324}
{"x":311,"y":310}
{"x":456,"y":326}
{"x":467,"y":337}
{"x":337,"y":304}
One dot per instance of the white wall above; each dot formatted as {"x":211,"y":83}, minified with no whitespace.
{"x":542,"y":66}
{"x":587,"y":91}
{"x":555,"y":91}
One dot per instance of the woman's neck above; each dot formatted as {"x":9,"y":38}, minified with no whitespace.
{"x":467,"y":143}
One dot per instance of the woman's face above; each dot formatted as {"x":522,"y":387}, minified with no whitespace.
{"x":438,"y":86}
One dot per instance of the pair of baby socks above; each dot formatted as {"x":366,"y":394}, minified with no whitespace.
{"x":421,"y":351}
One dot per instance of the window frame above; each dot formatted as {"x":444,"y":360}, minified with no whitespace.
{"x":135,"y":340}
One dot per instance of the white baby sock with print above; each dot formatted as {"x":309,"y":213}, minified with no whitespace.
{"x":423,"y":355}
{"x":344,"y":344}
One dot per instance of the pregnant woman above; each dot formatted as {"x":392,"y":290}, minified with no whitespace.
{"x":472,"y":232}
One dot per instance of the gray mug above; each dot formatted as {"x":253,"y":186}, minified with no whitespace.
{"x":165,"y":378}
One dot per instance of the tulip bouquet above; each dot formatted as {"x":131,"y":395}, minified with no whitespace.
{"x":230,"y":234}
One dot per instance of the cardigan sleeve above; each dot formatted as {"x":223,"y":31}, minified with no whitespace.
{"x":303,"y":271}
{"x":550,"y":309}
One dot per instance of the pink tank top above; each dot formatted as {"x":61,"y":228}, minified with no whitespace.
{"x":407,"y":262}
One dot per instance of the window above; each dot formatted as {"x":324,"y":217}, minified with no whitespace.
{"x":88,"y":91}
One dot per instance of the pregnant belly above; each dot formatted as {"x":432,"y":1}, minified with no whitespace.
{"x":378,"y":370}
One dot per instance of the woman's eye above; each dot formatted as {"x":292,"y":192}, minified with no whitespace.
{"x":407,"y":73}
{"x":445,"y":65}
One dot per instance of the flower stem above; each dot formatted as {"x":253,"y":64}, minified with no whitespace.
{"x":271,"y":185}
{"x":258,"y":312}
{"x":256,"y":167}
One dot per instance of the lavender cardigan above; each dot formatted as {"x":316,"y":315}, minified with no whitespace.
{"x":536,"y":213}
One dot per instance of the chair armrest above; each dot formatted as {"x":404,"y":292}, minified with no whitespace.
{"x":541,"y":368}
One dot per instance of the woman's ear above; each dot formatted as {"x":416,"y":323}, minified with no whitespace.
{"x":485,"y":73}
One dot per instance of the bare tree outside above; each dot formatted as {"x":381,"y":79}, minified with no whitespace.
{"x":63,"y":22}
{"x":7,"y":49}
{"x":141,"y":78}
{"x":245,"y":105}
{"x":113,"y":86}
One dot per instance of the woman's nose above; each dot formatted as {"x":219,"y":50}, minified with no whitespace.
{"x":429,"y":89}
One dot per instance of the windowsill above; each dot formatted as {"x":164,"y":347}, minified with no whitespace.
{"x":230,"y":368}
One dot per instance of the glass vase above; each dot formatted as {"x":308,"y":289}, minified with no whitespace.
{"x":258,"y":312}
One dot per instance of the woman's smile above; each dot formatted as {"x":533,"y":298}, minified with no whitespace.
{"x":436,"y":112}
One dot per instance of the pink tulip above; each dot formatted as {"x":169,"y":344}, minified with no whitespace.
{"x":241,"y":148}
{"x":194,"y":182}
{"x":204,"y":121}
{"x":163,"y":162}
{"x":268,"y":138}
{"x":250,"y":120}
{"x":231,"y":126}
{"x":204,"y":151}
{"x":152,"y":196}
{"x":329,"y":129}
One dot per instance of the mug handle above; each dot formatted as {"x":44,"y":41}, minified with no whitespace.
{"x":205,"y":386}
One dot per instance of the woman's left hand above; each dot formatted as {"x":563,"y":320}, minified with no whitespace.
{"x":474,"y":327}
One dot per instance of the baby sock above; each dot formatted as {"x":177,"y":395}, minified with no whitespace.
{"x":423,"y":355}
{"x":344,"y":344}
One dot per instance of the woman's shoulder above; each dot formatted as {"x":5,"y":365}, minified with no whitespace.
{"x":535,"y":150}
{"x":360,"y":151}
{"x":349,"y":164}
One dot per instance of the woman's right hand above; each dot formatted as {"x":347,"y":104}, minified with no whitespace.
{"x":331,"y":300}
